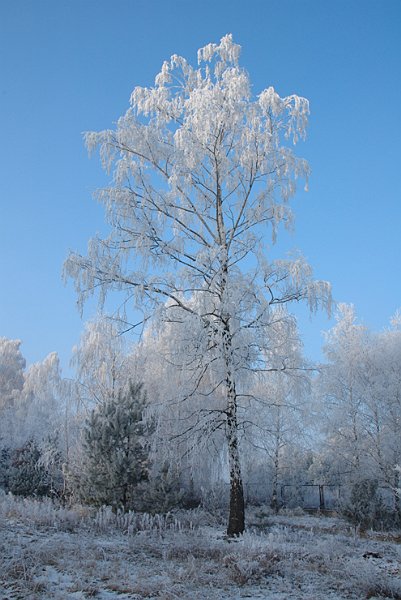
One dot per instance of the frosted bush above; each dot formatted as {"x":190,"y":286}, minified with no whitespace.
{"x":367,"y":578}
{"x":48,"y":513}
{"x":44,"y":512}
{"x":131,"y":522}
{"x":241,"y":570}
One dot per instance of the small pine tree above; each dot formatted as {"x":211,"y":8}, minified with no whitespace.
{"x":163,"y":492}
{"x":366,"y":509}
{"x":28,"y":476}
{"x":5,"y":468}
{"x":116,"y":451}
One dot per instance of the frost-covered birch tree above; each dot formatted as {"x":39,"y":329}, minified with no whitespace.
{"x":101,"y":363}
{"x":12,"y":365}
{"x":202,"y":174}
{"x":382,"y":413}
{"x":275,"y":423}
{"x":341,"y":389}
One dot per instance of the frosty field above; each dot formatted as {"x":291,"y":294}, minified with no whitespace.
{"x":55,"y":553}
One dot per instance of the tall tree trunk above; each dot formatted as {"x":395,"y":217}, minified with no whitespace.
{"x":274,"y":498}
{"x":397,"y":493}
{"x":236,"y":518}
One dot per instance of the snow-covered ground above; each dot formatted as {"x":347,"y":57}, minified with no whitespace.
{"x":56,"y":553}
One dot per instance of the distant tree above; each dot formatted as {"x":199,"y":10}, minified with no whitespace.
{"x":115,"y":450}
{"x":277,"y":430}
{"x":343,"y":394}
{"x":101,"y":362}
{"x":201,"y":173}
{"x":382,"y":411}
{"x":12,"y":365}
{"x":273,"y":414}
{"x":34,"y":418}
{"x":40,"y":409}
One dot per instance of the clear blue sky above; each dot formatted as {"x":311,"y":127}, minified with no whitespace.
{"x":68,"y":66}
